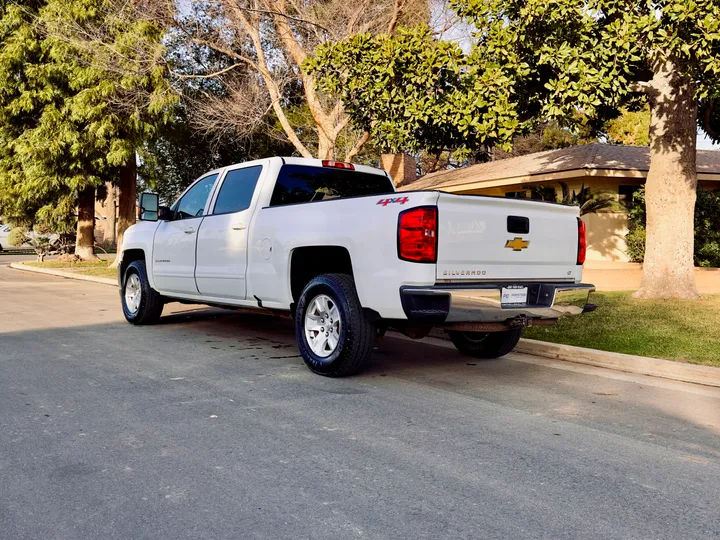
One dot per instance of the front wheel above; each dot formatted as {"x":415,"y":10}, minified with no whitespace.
{"x":485,"y":344}
{"x":141,"y":303}
{"x":333,"y":332}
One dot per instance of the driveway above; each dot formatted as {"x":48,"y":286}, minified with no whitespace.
{"x":209,"y":426}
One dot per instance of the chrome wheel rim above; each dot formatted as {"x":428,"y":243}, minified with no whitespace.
{"x":322,"y":325}
{"x":133,"y":293}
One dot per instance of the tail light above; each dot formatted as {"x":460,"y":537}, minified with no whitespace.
{"x":582,"y":241}
{"x":417,"y":234}
{"x":338,"y":164}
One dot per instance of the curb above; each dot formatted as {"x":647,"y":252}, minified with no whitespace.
{"x":60,"y":273}
{"x":628,"y":363}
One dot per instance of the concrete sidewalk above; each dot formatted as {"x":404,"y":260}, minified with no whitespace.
{"x":619,"y":276}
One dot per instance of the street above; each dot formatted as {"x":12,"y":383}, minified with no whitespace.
{"x":208,"y":425}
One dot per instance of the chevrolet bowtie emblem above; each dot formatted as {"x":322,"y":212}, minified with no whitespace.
{"x":517,"y":244}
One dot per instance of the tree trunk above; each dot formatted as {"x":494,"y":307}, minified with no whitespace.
{"x":326,"y":147}
{"x":668,"y":271}
{"x":109,"y":236}
{"x":85,"y":241}
{"x":126,"y":195}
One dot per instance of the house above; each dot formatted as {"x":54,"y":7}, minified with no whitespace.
{"x":613,"y":168}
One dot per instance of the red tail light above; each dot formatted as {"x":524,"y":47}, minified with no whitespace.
{"x":338,"y":164}
{"x":582,"y":241}
{"x":417,"y":234}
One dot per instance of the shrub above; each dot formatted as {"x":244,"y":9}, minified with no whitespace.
{"x":635,"y":241}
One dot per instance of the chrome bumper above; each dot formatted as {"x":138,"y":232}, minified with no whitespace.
{"x":446,"y":303}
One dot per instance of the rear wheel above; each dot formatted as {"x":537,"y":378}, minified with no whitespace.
{"x":485,"y":344}
{"x":333,"y":332}
{"x":140,"y":302}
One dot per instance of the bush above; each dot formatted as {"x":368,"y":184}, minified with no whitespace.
{"x":707,"y":228}
{"x":635,"y":241}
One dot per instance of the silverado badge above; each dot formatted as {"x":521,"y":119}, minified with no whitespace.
{"x":517,"y":244}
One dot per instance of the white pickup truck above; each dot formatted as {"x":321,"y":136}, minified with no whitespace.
{"x":334,"y":246}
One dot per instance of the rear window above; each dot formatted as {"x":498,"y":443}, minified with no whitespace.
{"x":300,"y":184}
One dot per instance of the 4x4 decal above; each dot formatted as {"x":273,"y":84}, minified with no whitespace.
{"x":398,"y":200}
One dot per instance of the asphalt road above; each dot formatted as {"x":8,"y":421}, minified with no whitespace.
{"x":209,"y":426}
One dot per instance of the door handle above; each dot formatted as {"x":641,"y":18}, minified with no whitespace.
{"x":190,"y":230}
{"x":239,"y":227}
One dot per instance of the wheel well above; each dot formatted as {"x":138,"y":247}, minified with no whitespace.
{"x":129,"y":256}
{"x":308,"y":262}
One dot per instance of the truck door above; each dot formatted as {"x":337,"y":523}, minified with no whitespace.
{"x":174,"y":242}
{"x":223,"y":237}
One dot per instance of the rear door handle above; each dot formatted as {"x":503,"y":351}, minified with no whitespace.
{"x":239,"y":227}
{"x":190,"y":230}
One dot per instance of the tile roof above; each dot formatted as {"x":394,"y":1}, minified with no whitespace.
{"x":588,"y":156}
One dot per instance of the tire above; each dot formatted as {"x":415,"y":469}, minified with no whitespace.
{"x":485,"y":344}
{"x":326,"y":296}
{"x":147,"y":308}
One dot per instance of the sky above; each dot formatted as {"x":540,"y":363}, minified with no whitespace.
{"x":703,"y":143}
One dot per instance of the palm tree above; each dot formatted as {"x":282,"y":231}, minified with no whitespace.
{"x":590,"y":202}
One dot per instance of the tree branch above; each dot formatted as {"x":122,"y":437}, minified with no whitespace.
{"x":644,"y":87}
{"x":209,"y":75}
{"x":397,"y":11}
{"x":365,"y":137}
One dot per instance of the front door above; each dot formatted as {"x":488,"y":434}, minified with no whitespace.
{"x":223,"y":236}
{"x":175,"y":240}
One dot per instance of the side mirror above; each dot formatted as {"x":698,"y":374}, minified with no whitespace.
{"x":148,"y":207}
{"x":165,"y":214}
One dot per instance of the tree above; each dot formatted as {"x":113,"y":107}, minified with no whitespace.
{"x":707,"y":228}
{"x":121,"y":88}
{"x":255,"y":51}
{"x":73,"y":107}
{"x":555,"y":59}
{"x":29,"y":191}
{"x":631,"y":127}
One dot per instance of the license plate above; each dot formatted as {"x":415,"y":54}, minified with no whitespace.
{"x":514,"y":295}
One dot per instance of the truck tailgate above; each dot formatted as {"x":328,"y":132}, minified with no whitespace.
{"x":485,"y":238}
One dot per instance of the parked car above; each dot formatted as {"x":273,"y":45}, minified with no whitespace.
{"x":5,"y":239}
{"x":334,"y":246}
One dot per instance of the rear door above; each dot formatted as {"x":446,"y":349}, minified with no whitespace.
{"x":223,"y":236}
{"x":174,"y":242}
{"x":484,"y":238}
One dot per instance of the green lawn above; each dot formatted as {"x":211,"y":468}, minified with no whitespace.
{"x":87,"y":268}
{"x":671,"y":329}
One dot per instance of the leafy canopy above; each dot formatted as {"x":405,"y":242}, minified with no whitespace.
{"x":575,"y":61}
{"x":79,"y":91}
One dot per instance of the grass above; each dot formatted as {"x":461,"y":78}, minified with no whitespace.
{"x":670,"y":329}
{"x":87,"y":268}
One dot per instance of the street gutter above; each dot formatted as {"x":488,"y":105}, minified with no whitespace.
{"x":641,"y":365}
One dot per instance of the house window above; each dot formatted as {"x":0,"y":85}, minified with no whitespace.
{"x":625,"y":194}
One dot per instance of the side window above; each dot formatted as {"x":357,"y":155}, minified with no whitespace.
{"x":237,"y":190}
{"x":193,"y":202}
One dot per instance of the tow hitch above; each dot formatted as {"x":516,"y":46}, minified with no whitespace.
{"x":521,"y":321}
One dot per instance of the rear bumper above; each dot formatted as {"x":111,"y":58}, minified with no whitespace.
{"x":480,"y":302}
